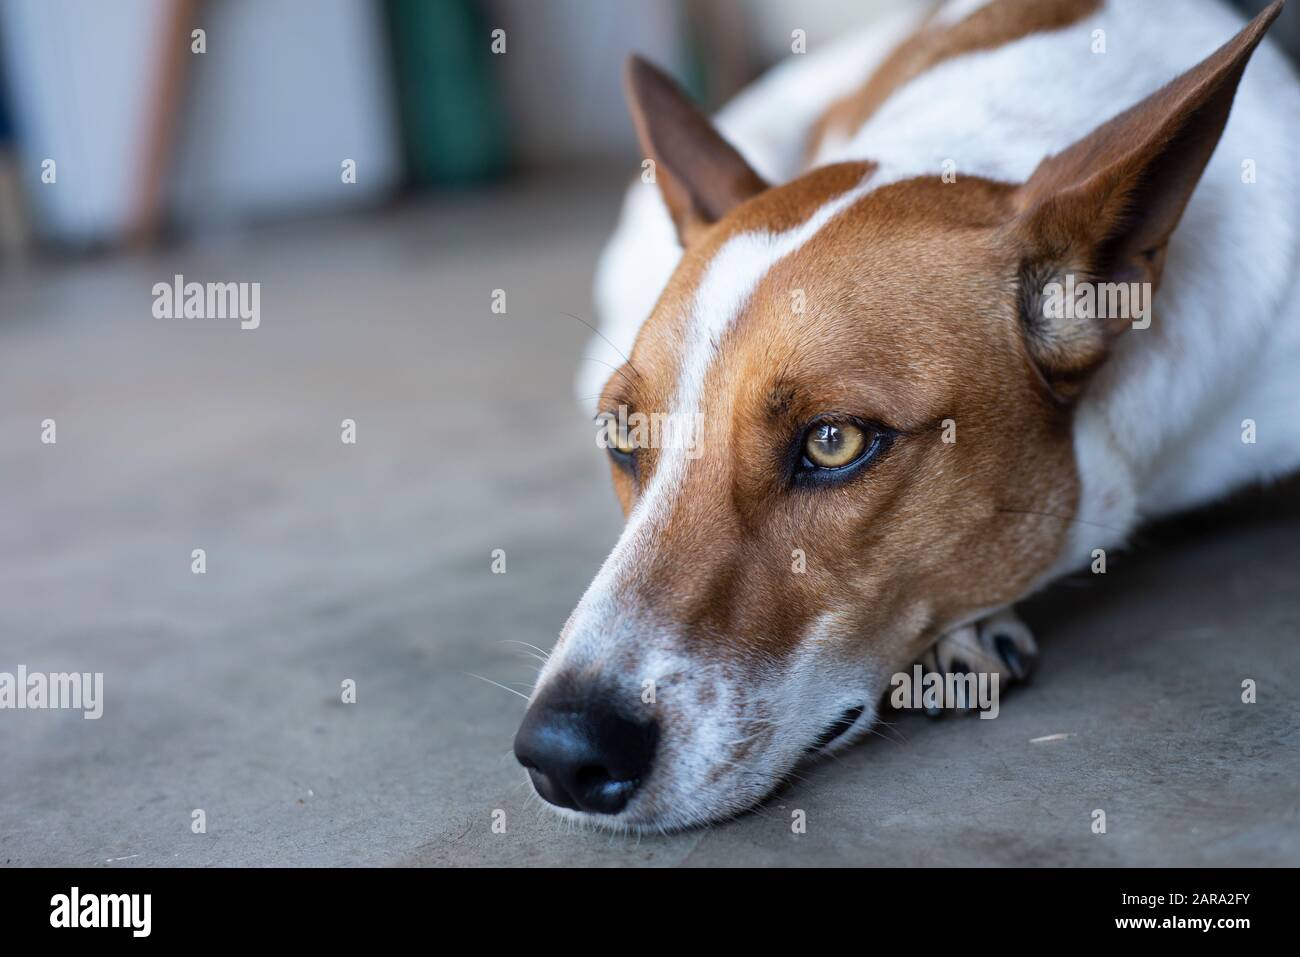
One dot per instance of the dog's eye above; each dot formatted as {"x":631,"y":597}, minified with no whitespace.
{"x":835,"y":451}
{"x":616,"y":437}
{"x":835,"y":446}
{"x":621,"y":442}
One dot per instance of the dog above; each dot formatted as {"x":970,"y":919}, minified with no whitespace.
{"x":861,"y":295}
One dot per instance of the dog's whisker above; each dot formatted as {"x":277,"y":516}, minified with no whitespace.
{"x":616,"y":369}
{"x":607,"y":342}
{"x":885,"y":737}
{"x":896,"y":735}
{"x":497,"y":684}
{"x":515,"y":641}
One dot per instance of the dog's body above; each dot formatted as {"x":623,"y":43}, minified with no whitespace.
{"x":931,"y":178}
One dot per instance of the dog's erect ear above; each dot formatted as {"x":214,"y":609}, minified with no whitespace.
{"x":1104,"y":209}
{"x":700,"y":175}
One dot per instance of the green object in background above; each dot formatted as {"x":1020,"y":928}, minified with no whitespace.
{"x":453,"y":121}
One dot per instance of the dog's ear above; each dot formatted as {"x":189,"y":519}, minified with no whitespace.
{"x":1104,"y":209}
{"x":700,"y":175}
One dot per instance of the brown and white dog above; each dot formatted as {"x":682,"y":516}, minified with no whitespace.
{"x":892,"y":436}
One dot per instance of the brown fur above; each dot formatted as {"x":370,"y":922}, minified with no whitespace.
{"x":700,"y":175}
{"x":915,"y":324}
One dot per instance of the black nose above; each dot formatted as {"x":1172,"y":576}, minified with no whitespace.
{"x":582,"y":754}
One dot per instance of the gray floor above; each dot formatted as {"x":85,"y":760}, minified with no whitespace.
{"x":328,"y":562}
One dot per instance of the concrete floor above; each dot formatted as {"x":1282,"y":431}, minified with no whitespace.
{"x":371,"y":562}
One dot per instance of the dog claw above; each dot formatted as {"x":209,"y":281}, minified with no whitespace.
{"x":1006,"y":647}
{"x":1013,"y":642}
{"x":999,"y":644}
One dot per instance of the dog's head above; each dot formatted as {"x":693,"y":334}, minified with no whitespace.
{"x":845,"y":427}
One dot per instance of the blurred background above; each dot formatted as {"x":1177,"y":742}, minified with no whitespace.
{"x":162,"y":131}
{"x":142,"y":139}
{"x":152,"y":138}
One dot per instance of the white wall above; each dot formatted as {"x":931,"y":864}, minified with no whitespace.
{"x":285,"y":93}
{"x":78,"y":73}
{"x":562,"y":73}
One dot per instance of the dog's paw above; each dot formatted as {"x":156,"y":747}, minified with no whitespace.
{"x":1000,"y":644}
